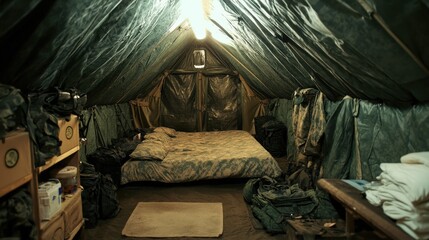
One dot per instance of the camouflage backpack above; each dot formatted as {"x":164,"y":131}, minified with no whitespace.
{"x":273,"y":202}
{"x":45,"y":107}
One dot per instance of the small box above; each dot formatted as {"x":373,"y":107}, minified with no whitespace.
{"x":54,"y":230}
{"x":16,"y":156}
{"x":73,"y":214}
{"x":69,"y":133}
{"x":49,"y":198}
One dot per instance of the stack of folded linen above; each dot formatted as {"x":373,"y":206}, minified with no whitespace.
{"x":402,"y":190}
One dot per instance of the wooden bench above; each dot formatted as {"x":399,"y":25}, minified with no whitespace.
{"x":357,"y":206}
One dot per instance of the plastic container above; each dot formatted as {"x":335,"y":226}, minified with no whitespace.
{"x":67,"y":177}
{"x":49,"y":198}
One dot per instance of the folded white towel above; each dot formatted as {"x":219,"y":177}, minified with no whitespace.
{"x":403,"y":192}
{"x":411,"y":179}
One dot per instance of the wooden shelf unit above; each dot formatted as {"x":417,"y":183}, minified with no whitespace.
{"x":69,"y":219}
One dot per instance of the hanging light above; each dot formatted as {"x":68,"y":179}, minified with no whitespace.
{"x":201,"y":21}
{"x":194,"y":11}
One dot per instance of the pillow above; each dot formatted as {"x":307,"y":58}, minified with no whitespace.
{"x":162,"y":137}
{"x":169,"y":131}
{"x":150,"y":150}
{"x":416,"y":158}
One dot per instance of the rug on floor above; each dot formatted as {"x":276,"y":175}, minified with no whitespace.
{"x":175,"y":219}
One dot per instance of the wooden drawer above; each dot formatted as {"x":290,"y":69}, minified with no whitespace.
{"x":73,"y":215}
{"x":15,"y":155}
{"x":54,"y":230}
{"x":69,"y":133}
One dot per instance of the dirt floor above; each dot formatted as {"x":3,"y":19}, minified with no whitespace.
{"x":238,"y":224}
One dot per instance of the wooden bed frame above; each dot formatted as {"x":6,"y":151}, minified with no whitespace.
{"x":357,"y":206}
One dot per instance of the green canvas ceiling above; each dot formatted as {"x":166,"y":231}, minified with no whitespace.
{"x":115,"y":50}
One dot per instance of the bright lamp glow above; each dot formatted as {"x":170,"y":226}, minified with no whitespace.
{"x":193,"y":10}
{"x":218,"y":34}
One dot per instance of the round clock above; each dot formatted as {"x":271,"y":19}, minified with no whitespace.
{"x":11,"y":158}
{"x":69,"y":132}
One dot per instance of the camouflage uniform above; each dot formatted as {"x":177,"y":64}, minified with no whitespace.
{"x":308,"y":121}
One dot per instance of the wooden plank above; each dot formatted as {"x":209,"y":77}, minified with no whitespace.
{"x":353,"y":200}
{"x":20,"y":182}
{"x":76,"y":230}
{"x":56,"y":159}
{"x":315,"y":227}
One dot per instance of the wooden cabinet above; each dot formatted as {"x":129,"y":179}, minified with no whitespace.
{"x":68,"y":220}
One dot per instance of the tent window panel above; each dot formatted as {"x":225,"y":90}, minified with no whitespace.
{"x":178,"y":103}
{"x":223,"y":105}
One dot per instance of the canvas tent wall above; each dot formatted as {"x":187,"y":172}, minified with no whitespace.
{"x":359,"y":135}
{"x":118,"y":51}
{"x":117,"y":48}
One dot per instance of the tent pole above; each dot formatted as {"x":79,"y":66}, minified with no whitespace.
{"x":200,"y":101}
{"x":371,"y":11}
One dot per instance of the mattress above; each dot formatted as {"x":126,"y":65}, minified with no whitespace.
{"x":205,"y":155}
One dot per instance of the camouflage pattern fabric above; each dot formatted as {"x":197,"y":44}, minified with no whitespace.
{"x":44,"y":130}
{"x":273,"y":202}
{"x":16,"y":216}
{"x":12,"y":109}
{"x":309,"y":123}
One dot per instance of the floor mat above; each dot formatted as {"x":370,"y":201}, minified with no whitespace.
{"x":175,"y":219}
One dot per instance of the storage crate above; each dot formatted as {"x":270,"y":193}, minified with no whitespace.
{"x":69,"y":133}
{"x":73,"y":215}
{"x":54,"y":230}
{"x":16,"y":166}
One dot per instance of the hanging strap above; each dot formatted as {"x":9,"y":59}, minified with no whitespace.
{"x":98,"y":134}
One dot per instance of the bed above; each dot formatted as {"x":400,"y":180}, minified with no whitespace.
{"x":173,"y":157}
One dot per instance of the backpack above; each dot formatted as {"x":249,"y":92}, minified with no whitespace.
{"x":108,"y":161}
{"x":62,"y":103}
{"x":90,"y":181}
{"x":109,"y":204}
{"x":44,"y":109}
{"x":274,"y":202}
{"x":99,"y":197}
{"x":259,"y":131}
{"x":275,"y":137}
